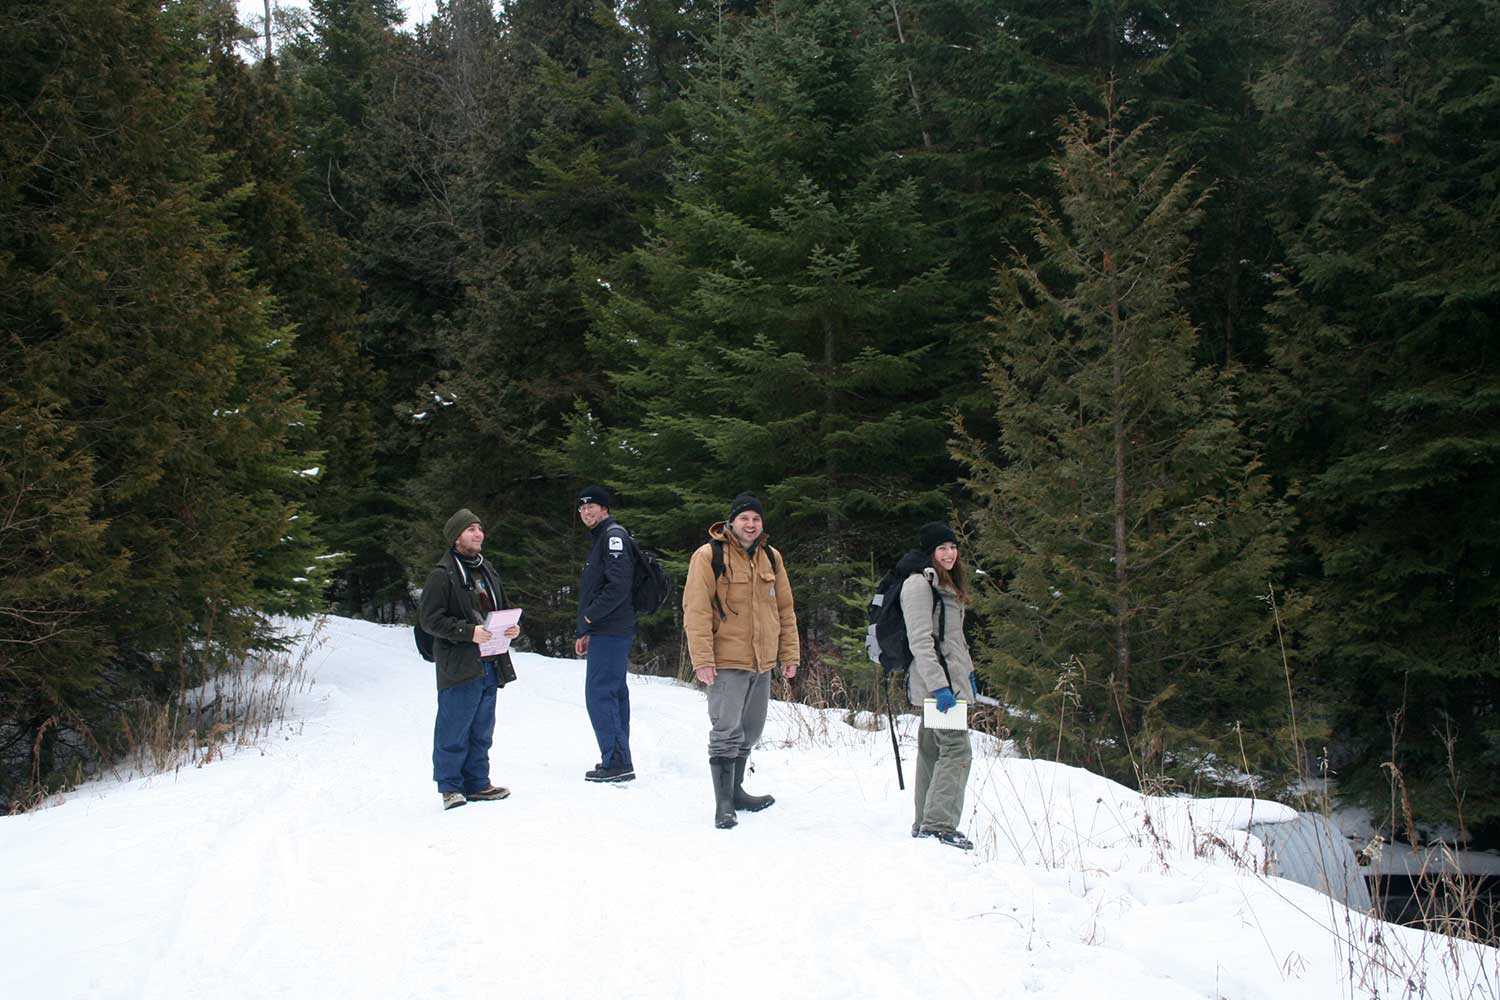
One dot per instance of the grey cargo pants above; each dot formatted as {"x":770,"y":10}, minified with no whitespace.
{"x":943,"y":759}
{"x":737,"y":701}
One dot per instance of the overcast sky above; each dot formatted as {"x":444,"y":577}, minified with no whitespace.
{"x":252,"y":11}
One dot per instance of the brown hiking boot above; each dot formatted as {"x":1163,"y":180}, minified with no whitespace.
{"x":492,"y":793}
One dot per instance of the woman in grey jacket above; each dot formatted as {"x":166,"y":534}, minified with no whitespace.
{"x":933,"y":600}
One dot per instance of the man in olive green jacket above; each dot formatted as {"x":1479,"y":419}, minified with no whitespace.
{"x":740,"y":621}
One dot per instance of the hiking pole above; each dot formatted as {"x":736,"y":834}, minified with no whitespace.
{"x":890,"y":714}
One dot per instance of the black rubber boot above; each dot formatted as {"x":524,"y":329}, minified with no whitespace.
{"x":722,"y":769}
{"x":743,"y":800}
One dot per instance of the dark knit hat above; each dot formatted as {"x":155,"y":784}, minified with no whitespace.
{"x":595,"y":494}
{"x":932,"y":534}
{"x":744,"y":502}
{"x":457,"y":523}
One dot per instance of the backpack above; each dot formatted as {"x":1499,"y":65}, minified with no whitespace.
{"x":885,"y":638}
{"x":424,"y":641}
{"x":716,"y":560}
{"x":649,"y":584}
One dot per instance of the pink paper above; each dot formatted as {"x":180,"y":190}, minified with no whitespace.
{"x":497,"y":623}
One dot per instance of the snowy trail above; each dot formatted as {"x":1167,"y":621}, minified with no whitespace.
{"x":320,"y":864}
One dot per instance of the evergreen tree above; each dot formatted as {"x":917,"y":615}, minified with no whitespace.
{"x":519,"y":156}
{"x":153,"y":376}
{"x":307,"y":270}
{"x":341,"y":64}
{"x":982,"y":82}
{"x":1385,"y":413}
{"x":336,"y":61}
{"x":1123,"y":505}
{"x":787,"y":325}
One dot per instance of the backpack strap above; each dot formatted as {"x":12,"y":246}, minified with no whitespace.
{"x":941,"y":607}
{"x":716,"y":560}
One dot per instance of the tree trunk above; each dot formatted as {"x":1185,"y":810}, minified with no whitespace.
{"x":916,"y":102}
{"x":1121,"y":555}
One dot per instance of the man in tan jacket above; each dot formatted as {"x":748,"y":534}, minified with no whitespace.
{"x":740,"y":622}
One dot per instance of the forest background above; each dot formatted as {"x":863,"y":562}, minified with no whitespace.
{"x":1184,"y":313}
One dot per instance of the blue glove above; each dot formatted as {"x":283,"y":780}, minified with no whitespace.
{"x":945,"y":699}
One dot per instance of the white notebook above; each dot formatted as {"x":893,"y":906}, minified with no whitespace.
{"x":956,"y":717}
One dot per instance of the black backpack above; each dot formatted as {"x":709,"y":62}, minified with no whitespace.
{"x":424,"y":641}
{"x":885,"y":639}
{"x":649,"y":584}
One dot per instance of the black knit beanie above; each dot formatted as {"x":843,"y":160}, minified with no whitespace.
{"x":595,"y":494}
{"x":744,"y":502}
{"x":932,"y":534}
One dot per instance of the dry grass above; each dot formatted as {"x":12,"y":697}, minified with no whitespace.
{"x":242,"y":704}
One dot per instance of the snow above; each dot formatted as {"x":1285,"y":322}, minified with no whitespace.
{"x":319,"y":864}
{"x":1392,"y":856}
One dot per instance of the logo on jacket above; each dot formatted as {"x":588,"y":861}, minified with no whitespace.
{"x":616,"y":545}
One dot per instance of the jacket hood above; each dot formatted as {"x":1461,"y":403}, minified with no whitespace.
{"x":719,"y":532}
{"x":913,"y":562}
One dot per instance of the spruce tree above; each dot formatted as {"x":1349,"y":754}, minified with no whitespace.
{"x":504,"y":150}
{"x":787,"y":326}
{"x":339,"y":63}
{"x":1122,"y":508}
{"x":1384,"y":416}
{"x":981,"y":84}
{"x":307,"y":270}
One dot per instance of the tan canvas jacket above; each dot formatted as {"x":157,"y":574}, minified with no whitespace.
{"x":758,"y":627}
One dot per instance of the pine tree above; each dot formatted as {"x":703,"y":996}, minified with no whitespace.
{"x":787,"y":325}
{"x":1385,"y":412}
{"x":1123,"y":506}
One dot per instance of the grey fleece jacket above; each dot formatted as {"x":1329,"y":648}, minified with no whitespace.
{"x":926,"y":673}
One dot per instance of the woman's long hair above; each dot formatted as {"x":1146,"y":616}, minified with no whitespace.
{"x":956,"y":581}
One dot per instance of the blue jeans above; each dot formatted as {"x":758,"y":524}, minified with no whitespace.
{"x":463,"y":733}
{"x":607,"y":698}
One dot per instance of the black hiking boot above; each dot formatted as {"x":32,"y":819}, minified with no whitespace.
{"x":625,"y":772}
{"x":954,"y":839}
{"x":742,"y":799}
{"x":722,"y":769}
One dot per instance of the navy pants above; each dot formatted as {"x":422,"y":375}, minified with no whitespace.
{"x":607,"y":697}
{"x":464,"y":731}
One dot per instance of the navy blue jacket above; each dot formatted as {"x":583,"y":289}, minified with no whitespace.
{"x":604,"y":592}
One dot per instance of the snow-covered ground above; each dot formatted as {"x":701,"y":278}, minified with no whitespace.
{"x":319,"y":864}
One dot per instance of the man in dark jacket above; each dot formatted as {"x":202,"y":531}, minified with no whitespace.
{"x":461,"y":591}
{"x":606,"y":628}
